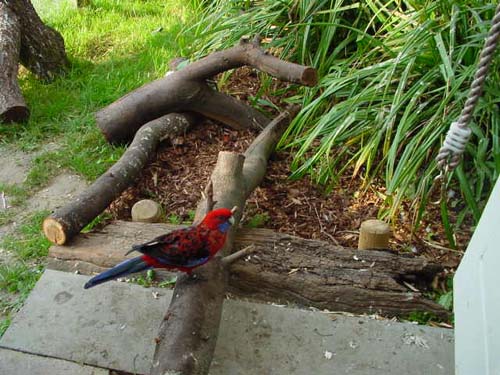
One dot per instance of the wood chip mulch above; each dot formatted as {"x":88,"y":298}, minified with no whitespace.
{"x":179,"y":172}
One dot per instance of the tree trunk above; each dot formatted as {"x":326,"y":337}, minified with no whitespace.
{"x":283,"y":268}
{"x":12,"y":105}
{"x":68,"y":220}
{"x":186,"y":90}
{"x":42,"y":48}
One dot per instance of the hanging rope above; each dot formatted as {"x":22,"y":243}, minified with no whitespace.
{"x":459,"y":133}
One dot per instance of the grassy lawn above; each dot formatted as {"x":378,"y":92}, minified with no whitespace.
{"x":114,"y":46}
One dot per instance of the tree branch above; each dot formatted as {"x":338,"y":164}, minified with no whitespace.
{"x":188,"y":333}
{"x":68,"y":220}
{"x":249,"y":53}
{"x":186,"y":90}
{"x":230,"y":259}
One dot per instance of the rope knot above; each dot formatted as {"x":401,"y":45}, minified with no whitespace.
{"x":453,"y":145}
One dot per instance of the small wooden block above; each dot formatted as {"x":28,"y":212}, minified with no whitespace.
{"x":374,"y":234}
{"x":146,"y":211}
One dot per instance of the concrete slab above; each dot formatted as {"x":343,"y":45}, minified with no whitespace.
{"x":114,"y":326}
{"x":18,"y":363}
{"x":264,"y":339}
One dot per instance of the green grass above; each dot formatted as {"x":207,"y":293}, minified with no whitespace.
{"x":149,"y":280}
{"x":4,"y":324}
{"x":28,"y":242}
{"x":174,"y":219}
{"x":18,"y":276}
{"x":114,"y":47}
{"x":258,"y":220}
{"x":393,"y":75}
{"x":15,"y":196}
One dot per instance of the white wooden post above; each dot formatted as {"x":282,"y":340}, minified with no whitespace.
{"x":477,"y":297}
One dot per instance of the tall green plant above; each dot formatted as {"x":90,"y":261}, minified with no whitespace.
{"x":393,"y":76}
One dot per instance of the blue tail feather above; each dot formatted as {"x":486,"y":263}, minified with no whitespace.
{"x":124,"y":268}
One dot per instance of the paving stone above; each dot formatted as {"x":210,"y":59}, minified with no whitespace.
{"x":18,"y":363}
{"x":114,"y":325}
{"x":264,"y":339}
{"x":111,"y":326}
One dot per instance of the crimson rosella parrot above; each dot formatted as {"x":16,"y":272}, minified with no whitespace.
{"x":182,"y":249}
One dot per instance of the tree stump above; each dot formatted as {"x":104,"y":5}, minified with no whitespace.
{"x":146,"y":211}
{"x":374,"y":234}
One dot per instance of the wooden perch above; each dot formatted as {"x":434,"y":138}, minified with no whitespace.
{"x":283,"y":268}
{"x":231,"y":258}
{"x":12,"y":105}
{"x":68,"y":220}
{"x":315,"y":273}
{"x":42,"y":48}
{"x":186,"y":90}
{"x":188,"y":333}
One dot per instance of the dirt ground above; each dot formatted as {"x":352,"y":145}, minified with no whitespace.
{"x":178,"y":174}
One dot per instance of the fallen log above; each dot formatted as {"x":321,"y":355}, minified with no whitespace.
{"x":42,"y":48}
{"x":12,"y":105}
{"x":283,"y":268}
{"x":68,"y":220}
{"x":186,"y":90}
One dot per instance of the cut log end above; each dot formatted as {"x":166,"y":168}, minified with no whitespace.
{"x":374,"y":234}
{"x":18,"y":113}
{"x":146,"y":211}
{"x":309,"y":77}
{"x":54,"y":231}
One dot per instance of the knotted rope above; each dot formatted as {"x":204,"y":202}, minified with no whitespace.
{"x":459,"y":133}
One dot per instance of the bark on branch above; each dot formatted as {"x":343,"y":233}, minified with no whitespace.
{"x":68,"y":220}
{"x":188,"y":333}
{"x":249,"y":53}
{"x":12,"y":105}
{"x":186,"y":90}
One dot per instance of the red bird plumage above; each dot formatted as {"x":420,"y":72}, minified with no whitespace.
{"x":183,"y":249}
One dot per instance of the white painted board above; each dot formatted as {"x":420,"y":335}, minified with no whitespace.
{"x":477,"y":297}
